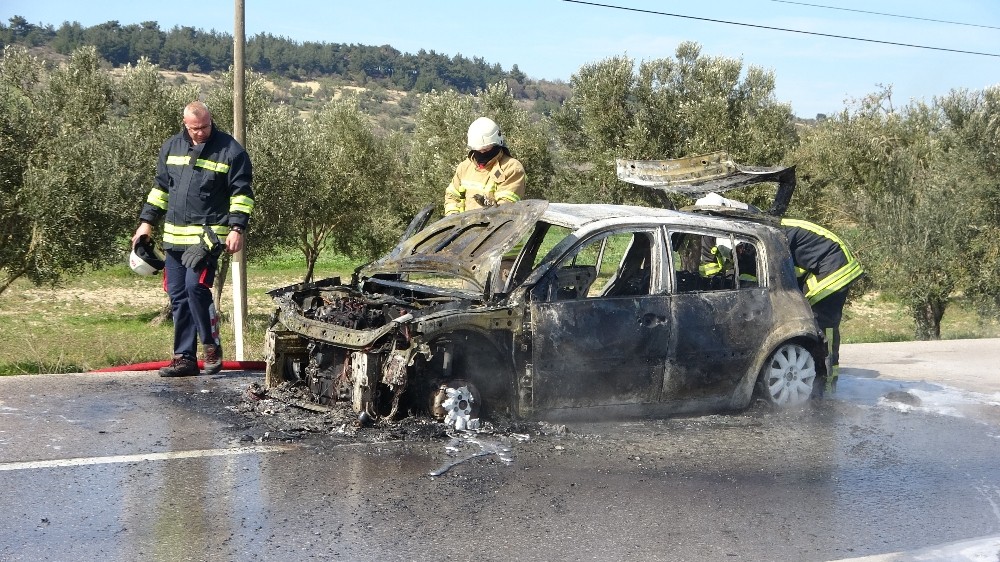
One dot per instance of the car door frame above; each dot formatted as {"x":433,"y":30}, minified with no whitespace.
{"x":600,"y":352}
{"x":718,"y":333}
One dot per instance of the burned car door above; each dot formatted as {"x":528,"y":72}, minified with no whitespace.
{"x":599,"y":334}
{"x":722,"y":316}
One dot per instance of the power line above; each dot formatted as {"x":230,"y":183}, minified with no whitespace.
{"x":885,"y":14}
{"x":783,"y":29}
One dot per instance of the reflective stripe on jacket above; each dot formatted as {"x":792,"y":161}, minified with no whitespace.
{"x":500,"y":180}
{"x":208,"y":185}
{"x":825,"y":261}
{"x":718,"y":260}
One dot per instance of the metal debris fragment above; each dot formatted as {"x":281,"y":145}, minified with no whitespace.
{"x":486,"y":448}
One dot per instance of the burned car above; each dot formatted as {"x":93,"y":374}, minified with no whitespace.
{"x":553,"y":311}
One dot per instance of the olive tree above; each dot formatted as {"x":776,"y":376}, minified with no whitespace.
{"x":77,"y":158}
{"x":283,"y":171}
{"x":19,"y":78}
{"x":339,"y":183}
{"x":591,"y":130}
{"x":906,"y":185}
{"x":74,"y":197}
{"x":666,"y":108}
{"x":974,"y":117}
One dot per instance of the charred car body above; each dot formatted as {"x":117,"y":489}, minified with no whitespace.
{"x":554,"y":311}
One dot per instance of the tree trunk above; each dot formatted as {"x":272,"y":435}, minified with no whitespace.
{"x":310,"y":267}
{"x":164,"y":315}
{"x":927,"y":315}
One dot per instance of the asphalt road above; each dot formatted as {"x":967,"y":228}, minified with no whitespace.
{"x":972,"y":365}
{"x":127,"y":466}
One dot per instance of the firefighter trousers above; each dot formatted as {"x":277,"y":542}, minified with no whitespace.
{"x":828,"y":312}
{"x":194,"y":314}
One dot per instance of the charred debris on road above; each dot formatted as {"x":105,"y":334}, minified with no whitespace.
{"x":289,"y":412}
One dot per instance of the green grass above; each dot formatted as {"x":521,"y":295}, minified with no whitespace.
{"x":872,"y":318}
{"x":113,"y":317}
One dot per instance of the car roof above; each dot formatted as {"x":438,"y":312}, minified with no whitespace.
{"x":579,"y":215}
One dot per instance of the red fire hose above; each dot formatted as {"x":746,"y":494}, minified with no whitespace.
{"x":154,"y":365}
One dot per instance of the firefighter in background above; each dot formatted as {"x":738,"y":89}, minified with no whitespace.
{"x":825,"y":267}
{"x":716,"y":255}
{"x":488,"y":176}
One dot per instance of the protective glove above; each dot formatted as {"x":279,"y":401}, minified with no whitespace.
{"x":484,"y":201}
{"x":194,"y":257}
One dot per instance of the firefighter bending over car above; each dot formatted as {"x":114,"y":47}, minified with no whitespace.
{"x":488,"y":176}
{"x":825,"y":268}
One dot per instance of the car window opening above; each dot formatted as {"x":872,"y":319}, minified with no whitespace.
{"x":615,"y":265}
{"x":709,"y":262}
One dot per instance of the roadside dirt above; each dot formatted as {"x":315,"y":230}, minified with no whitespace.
{"x":138,"y":295}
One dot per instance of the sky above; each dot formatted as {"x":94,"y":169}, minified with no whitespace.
{"x":817,"y":69}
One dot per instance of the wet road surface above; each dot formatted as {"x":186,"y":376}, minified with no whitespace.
{"x":129,"y":466}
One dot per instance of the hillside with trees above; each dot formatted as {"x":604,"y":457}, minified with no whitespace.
{"x":914,"y":189}
{"x":187,"y":49}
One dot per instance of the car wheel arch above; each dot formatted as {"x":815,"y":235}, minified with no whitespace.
{"x":474,"y":355}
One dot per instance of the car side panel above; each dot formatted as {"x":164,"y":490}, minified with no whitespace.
{"x":719,"y":335}
{"x":599,"y":352}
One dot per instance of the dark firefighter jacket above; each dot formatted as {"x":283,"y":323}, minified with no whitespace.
{"x":823,"y":261}
{"x":200,"y":185}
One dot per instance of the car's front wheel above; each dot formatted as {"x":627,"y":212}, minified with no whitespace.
{"x":457,"y":404}
{"x":788,"y":376}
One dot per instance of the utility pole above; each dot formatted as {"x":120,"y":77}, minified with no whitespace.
{"x":239,"y":272}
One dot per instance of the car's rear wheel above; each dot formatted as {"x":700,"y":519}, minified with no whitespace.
{"x":788,"y":376}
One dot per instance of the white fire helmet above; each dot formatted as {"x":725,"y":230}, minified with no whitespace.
{"x":716,"y":200}
{"x":145,"y":258}
{"x":483,"y":133}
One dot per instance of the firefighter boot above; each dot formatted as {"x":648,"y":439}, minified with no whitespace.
{"x":180,"y":366}
{"x":831,"y":380}
{"x":213,"y":359}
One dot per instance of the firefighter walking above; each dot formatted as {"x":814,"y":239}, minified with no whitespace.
{"x":204,"y":197}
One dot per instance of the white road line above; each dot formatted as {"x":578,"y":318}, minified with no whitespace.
{"x":973,"y":550}
{"x":146,"y":457}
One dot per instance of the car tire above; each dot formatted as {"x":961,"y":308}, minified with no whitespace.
{"x":788,"y":377}
{"x":457,"y":404}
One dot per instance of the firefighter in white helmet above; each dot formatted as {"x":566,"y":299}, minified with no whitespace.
{"x":488,"y":176}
